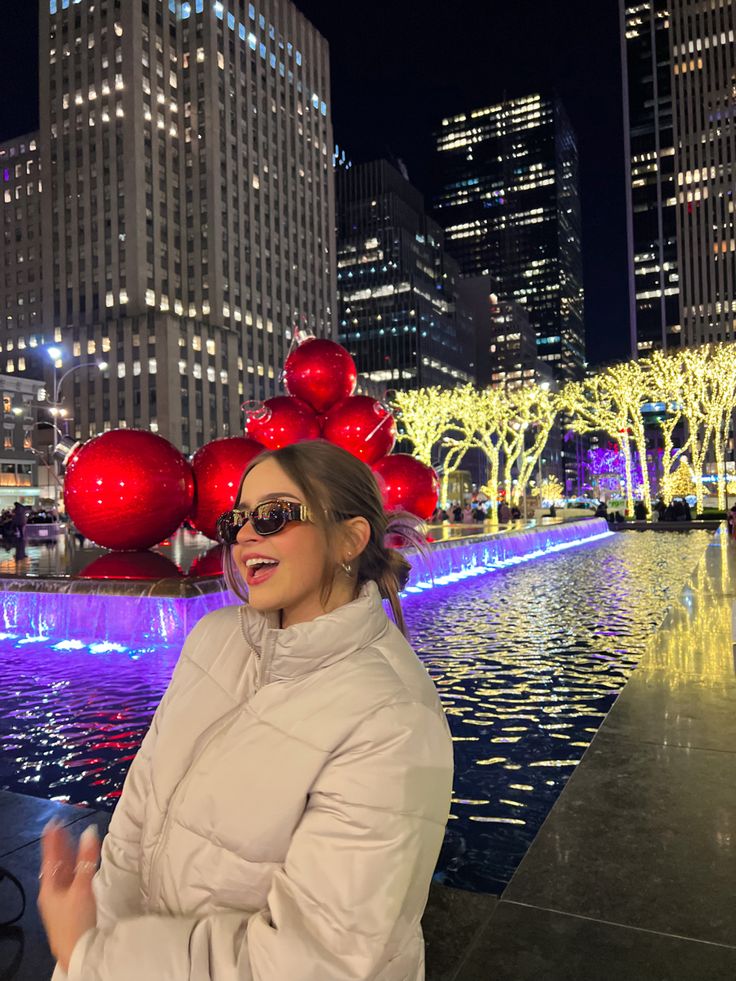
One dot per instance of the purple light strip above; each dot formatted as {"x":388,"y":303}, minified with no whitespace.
{"x":453,"y":561}
{"x":139,"y":621}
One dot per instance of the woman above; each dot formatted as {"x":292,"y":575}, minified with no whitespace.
{"x":283,"y":817}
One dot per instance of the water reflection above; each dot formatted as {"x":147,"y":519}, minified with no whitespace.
{"x":527,"y":662}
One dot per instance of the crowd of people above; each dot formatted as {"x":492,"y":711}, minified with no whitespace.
{"x":14,"y":520}
{"x":474,"y":512}
{"x":12,"y":523}
{"x":677,"y":510}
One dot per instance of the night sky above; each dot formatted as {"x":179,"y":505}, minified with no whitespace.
{"x":398,"y":67}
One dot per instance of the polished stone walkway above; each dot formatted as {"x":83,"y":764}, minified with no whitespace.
{"x":632,"y":876}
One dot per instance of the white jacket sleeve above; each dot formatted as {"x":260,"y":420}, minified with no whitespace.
{"x":356,"y":875}
{"x":117,"y":883}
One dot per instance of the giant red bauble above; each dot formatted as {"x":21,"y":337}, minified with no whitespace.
{"x":209,"y":564}
{"x":281,"y":421}
{"x":131,"y":565}
{"x":128,"y":489}
{"x":407,"y":485}
{"x":218,"y":468}
{"x":363,"y":426}
{"x":321,"y":373}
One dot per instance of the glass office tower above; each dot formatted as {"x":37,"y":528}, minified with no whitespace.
{"x":509,"y":202}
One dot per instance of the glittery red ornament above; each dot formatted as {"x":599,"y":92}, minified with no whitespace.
{"x":207,"y":564}
{"x":407,"y":485}
{"x":218,"y":468}
{"x":131,"y":565}
{"x":281,"y":421}
{"x":128,"y":489}
{"x":321,"y":373}
{"x":363,"y":426}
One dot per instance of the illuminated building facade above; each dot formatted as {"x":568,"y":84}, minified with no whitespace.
{"x":513,"y":345}
{"x":187,"y":209}
{"x":506,"y":346}
{"x":652,"y":183}
{"x":703,"y":34}
{"x":397,"y":287}
{"x":510,"y":207}
{"x":18,"y":463}
{"x":22,"y":326}
{"x":680,"y":100}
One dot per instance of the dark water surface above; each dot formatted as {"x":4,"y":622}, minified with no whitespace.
{"x":527,"y":661}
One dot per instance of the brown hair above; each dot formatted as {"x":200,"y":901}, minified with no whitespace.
{"x":335,"y":483}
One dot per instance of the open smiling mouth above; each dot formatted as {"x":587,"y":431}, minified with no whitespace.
{"x":257,"y":571}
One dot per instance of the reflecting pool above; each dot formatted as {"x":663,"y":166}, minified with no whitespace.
{"x":527,"y":660}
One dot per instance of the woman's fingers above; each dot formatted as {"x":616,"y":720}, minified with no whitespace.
{"x":88,"y":855}
{"x":57,"y":856}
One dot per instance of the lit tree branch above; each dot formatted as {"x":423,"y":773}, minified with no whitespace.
{"x":482,"y":417}
{"x":424,"y":416}
{"x":695,"y":400}
{"x":627,"y":383}
{"x":723,"y":402}
{"x":537,"y":409}
{"x":595,"y":405}
{"x":665,"y":374}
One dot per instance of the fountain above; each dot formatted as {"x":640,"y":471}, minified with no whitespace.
{"x":129,"y":598}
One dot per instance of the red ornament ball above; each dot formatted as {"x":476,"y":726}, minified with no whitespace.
{"x":218,"y":468}
{"x":128,"y":489}
{"x":362,"y":426}
{"x":281,"y":421}
{"x":209,"y":564}
{"x":407,"y":485}
{"x":131,"y":565}
{"x":321,"y":373}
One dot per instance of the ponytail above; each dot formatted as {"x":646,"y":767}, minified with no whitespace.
{"x":390,"y":583}
{"x":382,"y":561}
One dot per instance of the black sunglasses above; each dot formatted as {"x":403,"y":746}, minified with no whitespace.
{"x":267,"y":518}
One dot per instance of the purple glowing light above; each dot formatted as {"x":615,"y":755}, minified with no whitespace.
{"x":452,"y":561}
{"x":133,"y":621}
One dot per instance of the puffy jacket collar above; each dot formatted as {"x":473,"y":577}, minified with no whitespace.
{"x":307,"y":647}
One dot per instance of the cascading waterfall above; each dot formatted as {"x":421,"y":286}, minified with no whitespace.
{"x":97,"y":612}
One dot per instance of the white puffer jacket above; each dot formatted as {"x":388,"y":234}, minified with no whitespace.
{"x":283,"y":817}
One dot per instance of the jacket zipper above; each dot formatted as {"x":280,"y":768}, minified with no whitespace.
{"x":264,"y":663}
{"x":263,"y":660}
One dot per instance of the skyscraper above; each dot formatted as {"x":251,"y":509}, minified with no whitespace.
{"x":652,"y":185}
{"x":397,"y":287}
{"x":187,"y":205}
{"x":21,"y":300}
{"x":505,"y":341}
{"x":704,"y":99}
{"x":509,"y":204}
{"x":679,"y":103}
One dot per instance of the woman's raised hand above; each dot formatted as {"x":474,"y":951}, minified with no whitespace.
{"x":65,"y":898}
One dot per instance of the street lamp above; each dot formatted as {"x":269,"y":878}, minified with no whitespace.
{"x":44,"y":424}
{"x":55,"y":354}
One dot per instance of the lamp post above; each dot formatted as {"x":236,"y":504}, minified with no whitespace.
{"x":48,"y":425}
{"x":55,"y":354}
